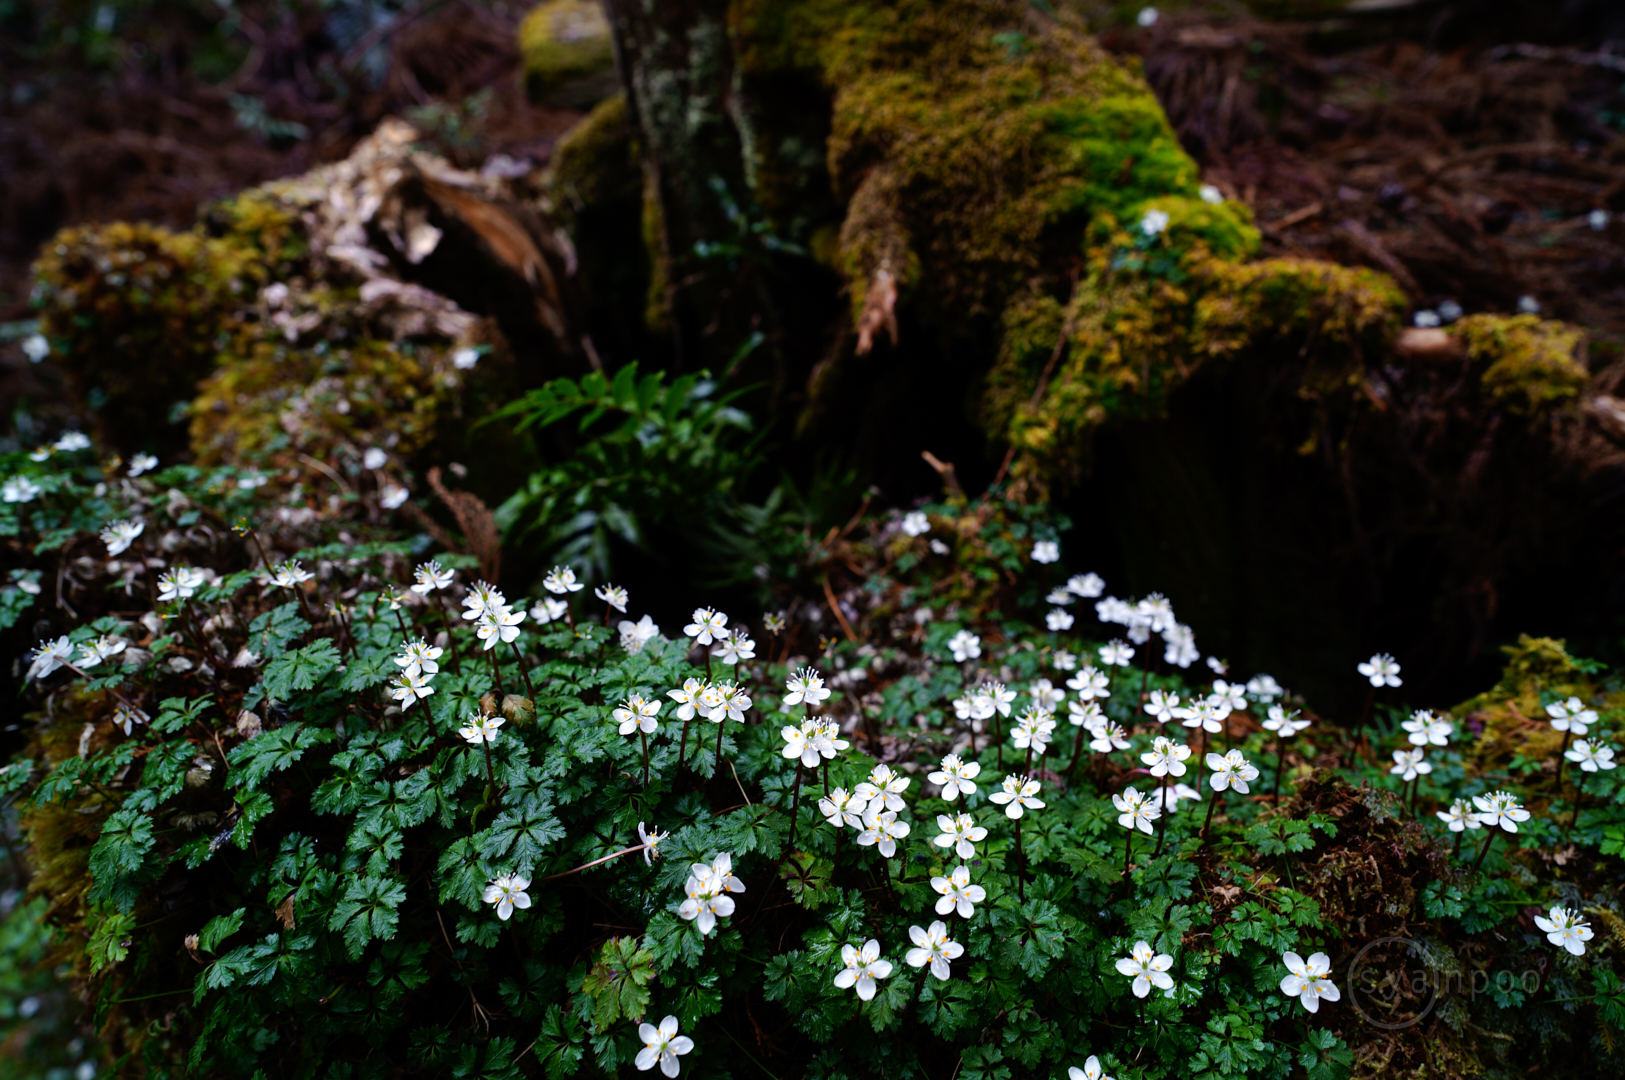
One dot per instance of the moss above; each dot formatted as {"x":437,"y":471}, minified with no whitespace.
{"x":136,"y":313}
{"x":563,"y":44}
{"x":1528,"y":362}
{"x":596,"y":162}
{"x":1510,"y":720}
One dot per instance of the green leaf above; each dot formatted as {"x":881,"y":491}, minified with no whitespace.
{"x":300,"y":669}
{"x":367,"y":911}
{"x":559,"y":1045}
{"x":273,"y":751}
{"x":119,"y":857}
{"x":618,"y":983}
{"x":110,"y":939}
{"x":219,"y":929}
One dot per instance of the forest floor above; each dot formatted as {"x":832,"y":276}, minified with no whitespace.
{"x":1471,"y":173}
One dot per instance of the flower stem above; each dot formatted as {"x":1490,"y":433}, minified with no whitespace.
{"x":1485,"y":850}
{"x":1021,"y":867}
{"x":1128,"y":848}
{"x":1579,"y":785}
{"x":490,"y":772}
{"x":1077,"y":752}
{"x":451,"y":640}
{"x":1211,"y":806}
{"x":682,"y":747}
{"x":530,"y":692}
{"x":1280,"y":767}
{"x":1162,"y":829}
{"x":644,"y":735}
{"x":1562,"y":750}
{"x":998,"y":739}
{"x":595,"y":862}
{"x":795,"y":805}
{"x":496,"y":673}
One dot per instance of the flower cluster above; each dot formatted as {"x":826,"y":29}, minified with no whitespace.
{"x":709,"y":890}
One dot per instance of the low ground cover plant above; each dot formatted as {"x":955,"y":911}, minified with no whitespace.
{"x":306,"y":795}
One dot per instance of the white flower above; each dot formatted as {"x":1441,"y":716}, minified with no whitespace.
{"x":119,"y":535}
{"x":637,"y":714}
{"x":1499,"y":808}
{"x":501,"y":625}
{"x":481,"y":600}
{"x":1566,"y":928}
{"x":1163,"y":706}
{"x":965,"y":646}
{"x":393,"y":497}
{"x":957,"y":892}
{"x":36,"y":348}
{"x":289,"y":575}
{"x":1166,"y":757}
{"x":98,"y":649}
{"x":1591,"y":756}
{"x":374,"y":458}
{"x":1034,"y":728}
{"x":1058,"y":619}
{"x":480,"y":729}
{"x":1597,"y":219}
{"x":1381,"y":670}
{"x":1147,"y":16}
{"x":687,"y":698}
{"x":1087,"y":586}
{"x":251,"y":480}
{"x":1154,"y":222}
{"x":661,"y":1044}
{"x":142,"y":463}
{"x":1408,"y":764}
{"x":1134,"y":811}
{"x":708,"y":898}
{"x":800,"y":742}
{"x":419,"y":658}
{"x":1090,"y":683}
{"x":1065,"y":661}
{"x":1165,"y":800}
{"x":508,"y":892}
{"x":806,"y":687}
{"x":40,"y":453}
{"x":548,"y":610}
{"x":1086,"y":714}
{"x":1571,"y":716}
{"x":613,"y":595}
{"x":882,"y":830}
{"x":1426,"y":319}
{"x":49,"y":657}
{"x":19,"y":489}
{"x":961,"y":833}
{"x":842,"y":809}
{"x":1147,"y":968}
{"x":1046,"y":551}
{"x":1045,"y":695}
{"x":1283,"y":723}
{"x":884,"y":788}
{"x":863,"y":967}
{"x":70,"y":441}
{"x":915,"y":523}
{"x":408,"y":687}
{"x":1264,"y":687}
{"x":429,"y":576}
{"x":1210,"y":194}
{"x":1205,"y":714}
{"x":126,"y":718}
{"x":1426,"y":729}
{"x":651,"y":843}
{"x":1459,"y":817}
{"x":736,"y":648}
{"x":933,"y":947}
{"x":938,"y":547}
{"x":956,"y":776}
{"x":1108,"y":737}
{"x":464,"y":359}
{"x":179,"y":582}
{"x":708,"y":626}
{"x":634,"y":635}
{"x":561,"y":580}
{"x":1231,"y":771}
{"x":725,"y":701}
{"x":1116,"y":654}
{"x":1060,"y":596}
{"x":718,"y":875}
{"x":1528,"y":305}
{"x":1017,"y":793}
{"x":1307,"y":981}
{"x":1232,"y":695}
